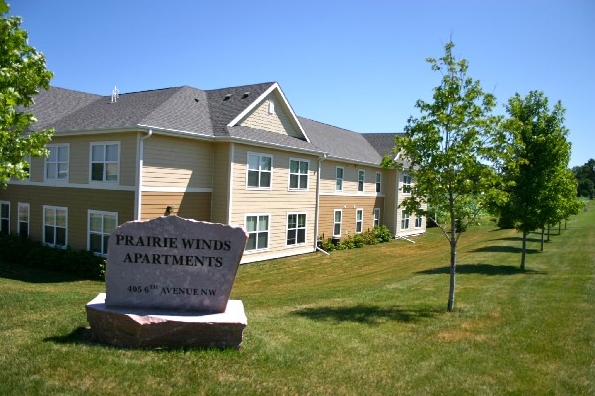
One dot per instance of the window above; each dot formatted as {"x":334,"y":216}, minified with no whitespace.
{"x":376,"y":217}
{"x":55,"y":220}
{"x":339,"y":176}
{"x":257,"y":227}
{"x":101,"y":225}
{"x":298,"y":174}
{"x":359,"y":220}
{"x":378,"y":181}
{"x":259,"y":170}
{"x":271,"y":107}
{"x":404,"y":220}
{"x":406,"y":184}
{"x":23,"y":218}
{"x":105,"y":161}
{"x":5,"y":217}
{"x":296,"y":228}
{"x":360,"y":180}
{"x":418,"y":220}
{"x":337,"y":223}
{"x":56,"y":164}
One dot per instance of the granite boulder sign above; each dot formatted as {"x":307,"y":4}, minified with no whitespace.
{"x":168,"y":282}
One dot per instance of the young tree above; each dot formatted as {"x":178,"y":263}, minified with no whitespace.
{"x":444,"y":149}
{"x":539,"y":188}
{"x":22,"y":74}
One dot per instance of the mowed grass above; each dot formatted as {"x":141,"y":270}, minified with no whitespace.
{"x":359,"y":322}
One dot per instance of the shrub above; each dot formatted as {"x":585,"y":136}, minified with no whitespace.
{"x":382,"y":233}
{"x":24,"y":251}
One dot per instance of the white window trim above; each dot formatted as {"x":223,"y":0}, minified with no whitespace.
{"x":405,"y":216}
{"x":342,"y":178}
{"x":257,"y":250}
{"x":362,"y":172}
{"x":421,"y":222}
{"x":43,"y":225}
{"x":103,"y":213}
{"x":271,"y":106}
{"x":289,"y":175}
{"x":107,"y":143}
{"x":359,"y":210}
{"x":8,"y":218}
{"x":297,"y":228}
{"x":409,"y":185}
{"x":376,"y":217}
{"x":28,"y":206}
{"x":340,"y":223}
{"x":378,"y":183}
{"x":45,"y":165}
{"x":248,"y":154}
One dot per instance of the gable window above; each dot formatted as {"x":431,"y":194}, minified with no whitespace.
{"x":55,"y":220}
{"x":418,"y":220}
{"x":378,"y":181}
{"x":376,"y":217}
{"x":298,"y":174}
{"x":337,"y":223}
{"x":339,"y":178}
{"x":406,"y":184}
{"x":257,"y":227}
{"x":271,"y":107}
{"x":359,"y":221}
{"x":56,"y":164}
{"x":259,"y":171}
{"x":101,"y":225}
{"x":105,"y":161}
{"x":360,"y":180}
{"x":23,"y":219}
{"x":5,"y":217}
{"x":296,"y":229}
{"x":404,"y":220}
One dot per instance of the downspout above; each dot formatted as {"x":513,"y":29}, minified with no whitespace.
{"x":317,"y":208}
{"x":139,"y":175}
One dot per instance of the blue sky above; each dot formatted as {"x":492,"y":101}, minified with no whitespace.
{"x":355,"y":64}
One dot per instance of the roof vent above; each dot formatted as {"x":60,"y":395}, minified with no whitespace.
{"x":196,"y":100}
{"x":227,"y":97}
{"x":246,"y":94}
{"x":115,"y":94}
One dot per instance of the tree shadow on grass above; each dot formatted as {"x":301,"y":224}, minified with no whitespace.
{"x":505,"y":249}
{"x":372,"y":315}
{"x":483,"y":269}
{"x":518,"y":239}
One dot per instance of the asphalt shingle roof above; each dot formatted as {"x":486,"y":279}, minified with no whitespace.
{"x":192,"y":110}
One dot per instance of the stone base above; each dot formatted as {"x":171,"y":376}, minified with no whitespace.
{"x":144,"y":328}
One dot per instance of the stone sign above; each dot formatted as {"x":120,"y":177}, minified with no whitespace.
{"x":173,"y":263}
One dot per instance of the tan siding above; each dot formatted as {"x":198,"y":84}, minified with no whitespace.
{"x":77,"y":200}
{"x":278,"y":122}
{"x":221,"y":173}
{"x":175,"y":162}
{"x":349,"y":206}
{"x":278,"y":201}
{"x":37,"y":169}
{"x":391,"y":202}
{"x":195,"y":206}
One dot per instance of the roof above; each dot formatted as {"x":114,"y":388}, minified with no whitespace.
{"x":209,"y":113}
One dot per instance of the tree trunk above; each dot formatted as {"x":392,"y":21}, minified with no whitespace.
{"x":542,"y":236}
{"x":559,"y":228}
{"x":523,"y":250}
{"x":548,"y":232}
{"x":453,"y":264}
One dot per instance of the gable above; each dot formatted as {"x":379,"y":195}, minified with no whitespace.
{"x":270,"y":115}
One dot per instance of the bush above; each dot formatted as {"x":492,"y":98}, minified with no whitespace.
{"x":369,"y":237}
{"x":382,"y":233}
{"x":24,"y":251}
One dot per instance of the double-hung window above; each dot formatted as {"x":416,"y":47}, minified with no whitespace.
{"x":376,"y":217}
{"x":5,"y":217}
{"x":56,"y":164}
{"x":378,"y":181}
{"x":337,"y":223}
{"x":361,"y":175}
{"x":259,"y":171}
{"x":105,"y":161}
{"x":257,"y":226}
{"x":298,"y":174}
{"x":418,"y":220}
{"x":55,"y":225}
{"x":101,"y":224}
{"x":406,"y":184}
{"x":359,"y":221}
{"x":23,"y":218}
{"x":404,"y":220}
{"x":296,"y":229}
{"x":339,"y":179}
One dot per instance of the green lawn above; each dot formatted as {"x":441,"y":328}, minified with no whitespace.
{"x":364,"y":321}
